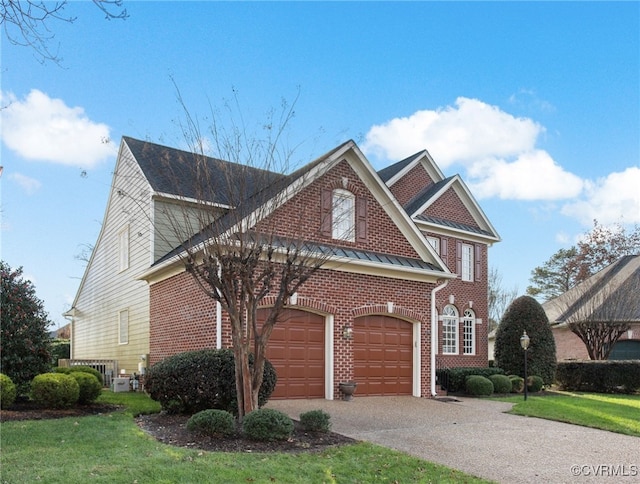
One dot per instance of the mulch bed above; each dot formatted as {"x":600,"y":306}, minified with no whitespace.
{"x":171,"y":430}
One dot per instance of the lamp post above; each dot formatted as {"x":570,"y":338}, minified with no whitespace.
{"x":524,"y":342}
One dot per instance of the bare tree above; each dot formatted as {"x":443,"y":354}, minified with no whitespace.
{"x":599,"y":311}
{"x":499,"y":298}
{"x":27,"y":22}
{"x":229,"y":232}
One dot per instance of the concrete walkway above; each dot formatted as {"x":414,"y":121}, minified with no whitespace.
{"x":477,"y":437}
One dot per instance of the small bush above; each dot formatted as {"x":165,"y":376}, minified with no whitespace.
{"x":315,"y":421}
{"x":454,"y":379}
{"x":212,"y":422}
{"x":501,"y":383}
{"x":267,"y":424}
{"x":534,"y":384}
{"x":517,"y":383}
{"x":8,"y":391}
{"x":90,"y":387}
{"x":478,"y":386}
{"x":199,"y":380}
{"x":80,"y":368}
{"x":55,"y":390}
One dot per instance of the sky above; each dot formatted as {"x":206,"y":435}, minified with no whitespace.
{"x":535,"y":104}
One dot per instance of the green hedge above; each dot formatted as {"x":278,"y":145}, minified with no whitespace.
{"x":600,"y":376}
{"x":454,"y":379}
{"x":8,"y":391}
{"x":267,"y":424}
{"x":479,"y":386}
{"x":55,"y":390}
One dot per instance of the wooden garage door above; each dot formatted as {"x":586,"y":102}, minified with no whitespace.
{"x":296,"y":350}
{"x":383,"y":356}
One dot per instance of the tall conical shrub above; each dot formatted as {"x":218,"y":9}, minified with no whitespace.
{"x":526,"y":314}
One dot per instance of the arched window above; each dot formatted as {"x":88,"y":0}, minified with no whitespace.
{"x":343,"y":215}
{"x":450,"y":330}
{"x":469,"y":332}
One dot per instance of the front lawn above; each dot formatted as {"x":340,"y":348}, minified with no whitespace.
{"x":111,"y":448}
{"x":616,"y":413}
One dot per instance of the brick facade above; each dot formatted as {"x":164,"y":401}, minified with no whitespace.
{"x":570,"y":347}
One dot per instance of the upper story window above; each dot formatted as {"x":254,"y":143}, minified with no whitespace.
{"x":450,"y":330}
{"x":435,"y":243}
{"x":123,"y":327}
{"x":123,"y":249}
{"x":344,"y":216}
{"x":467,"y":262}
{"x":469,"y":332}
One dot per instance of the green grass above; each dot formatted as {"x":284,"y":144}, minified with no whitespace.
{"x":616,"y":413}
{"x":111,"y":448}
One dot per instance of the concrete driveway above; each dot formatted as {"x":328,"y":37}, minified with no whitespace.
{"x":477,"y":437}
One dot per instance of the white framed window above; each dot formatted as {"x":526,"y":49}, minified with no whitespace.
{"x":123,"y":248}
{"x":450,"y":322}
{"x":467,"y":262}
{"x":469,"y":332}
{"x":123,"y":327}
{"x":435,"y":243}
{"x":343,"y":215}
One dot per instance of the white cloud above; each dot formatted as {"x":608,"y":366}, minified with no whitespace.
{"x":28,"y":184}
{"x":46,"y":129}
{"x":615,"y":198}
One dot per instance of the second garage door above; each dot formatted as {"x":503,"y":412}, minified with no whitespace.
{"x":296,"y":350}
{"x":383,"y":356}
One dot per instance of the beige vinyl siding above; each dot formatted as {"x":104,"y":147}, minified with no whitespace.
{"x":107,"y":288}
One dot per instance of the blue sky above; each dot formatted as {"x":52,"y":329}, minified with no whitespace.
{"x":536,"y":105}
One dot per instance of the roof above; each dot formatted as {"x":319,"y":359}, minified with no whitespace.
{"x":614,"y":289}
{"x":387,"y":173}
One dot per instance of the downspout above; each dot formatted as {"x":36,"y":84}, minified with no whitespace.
{"x":434,"y":335}
{"x":219,"y":317}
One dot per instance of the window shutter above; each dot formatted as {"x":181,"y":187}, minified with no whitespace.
{"x":444,"y":249}
{"x":478,"y":261}
{"x":326,"y":200}
{"x":361,"y":219}
{"x":459,"y":257}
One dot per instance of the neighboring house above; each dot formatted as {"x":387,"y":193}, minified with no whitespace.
{"x":406,"y":293}
{"x":603,"y":294}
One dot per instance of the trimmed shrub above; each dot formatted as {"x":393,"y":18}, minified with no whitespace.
{"x":454,"y":379}
{"x":534,"y":384}
{"x":526,"y":314}
{"x":80,"y":368}
{"x":212,"y":422}
{"x":55,"y":390}
{"x":611,"y":376}
{"x":479,"y":386}
{"x":517,"y":383}
{"x":193,"y":381}
{"x":501,"y":383}
{"x":89,"y":387}
{"x":267,"y":424}
{"x":315,"y":421}
{"x":8,"y":391}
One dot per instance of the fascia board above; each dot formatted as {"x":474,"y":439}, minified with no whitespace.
{"x":429,"y":164}
{"x":454,"y":232}
{"x":189,"y":200}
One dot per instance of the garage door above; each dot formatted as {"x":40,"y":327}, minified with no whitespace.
{"x":296,"y":350}
{"x":625,"y":350}
{"x":383,"y":356}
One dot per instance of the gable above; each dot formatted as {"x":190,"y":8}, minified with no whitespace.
{"x":411,"y":184}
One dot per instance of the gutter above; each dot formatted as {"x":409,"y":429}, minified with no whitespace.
{"x":434,"y":335}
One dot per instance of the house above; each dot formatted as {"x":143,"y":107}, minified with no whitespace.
{"x":406,"y":293}
{"x":613,"y":294}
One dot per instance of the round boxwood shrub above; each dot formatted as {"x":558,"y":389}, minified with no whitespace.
{"x":81,"y":368}
{"x":193,"y":381}
{"x":89,"y":387}
{"x":55,"y":390}
{"x":477,"y":385}
{"x":212,"y":422}
{"x":315,"y":421}
{"x":501,"y":383}
{"x":534,"y":384}
{"x":8,"y":391}
{"x":267,"y":424}
{"x":517,"y":383}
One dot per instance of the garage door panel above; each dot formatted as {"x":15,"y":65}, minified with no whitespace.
{"x":383,"y":356}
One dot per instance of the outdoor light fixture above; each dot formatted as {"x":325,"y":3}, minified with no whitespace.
{"x":347,"y":332}
{"x":524,"y":342}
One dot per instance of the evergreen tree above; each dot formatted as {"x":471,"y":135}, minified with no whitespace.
{"x":526,"y":314}
{"x":25,"y":344}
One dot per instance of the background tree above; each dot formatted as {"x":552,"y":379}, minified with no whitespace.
{"x":526,"y":314}
{"x":24,"y":338}
{"x":225,"y":229}
{"x":596,"y":250}
{"x":28,"y":22}
{"x":499,"y":298}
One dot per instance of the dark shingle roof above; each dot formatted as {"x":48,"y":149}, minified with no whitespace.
{"x":424,"y":196}
{"x":390,"y":171}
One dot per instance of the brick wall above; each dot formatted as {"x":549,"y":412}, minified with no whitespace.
{"x":570,"y":347}
{"x":414,"y":182}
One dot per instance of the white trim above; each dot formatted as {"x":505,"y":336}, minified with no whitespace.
{"x":328,"y":356}
{"x":417,"y":359}
{"x":434,"y":335}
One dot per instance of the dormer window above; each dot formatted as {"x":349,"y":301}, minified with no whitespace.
{"x":344,"y":216}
